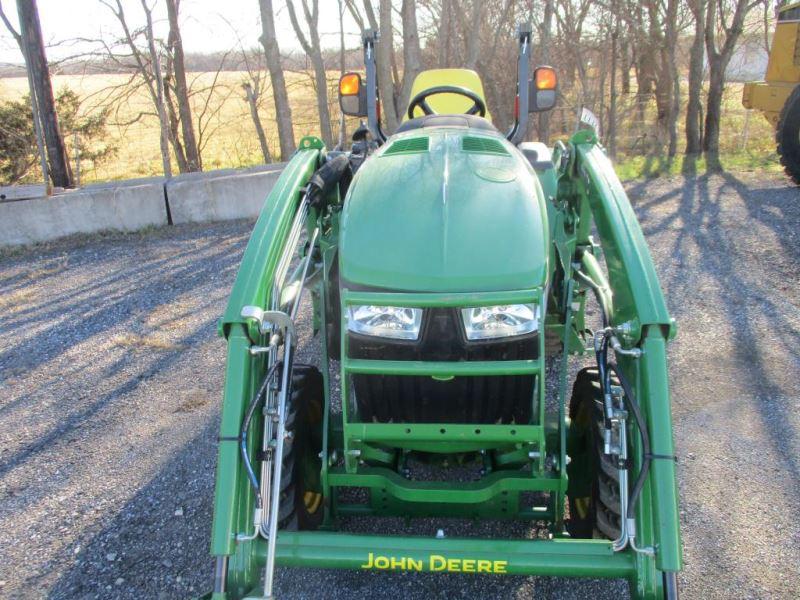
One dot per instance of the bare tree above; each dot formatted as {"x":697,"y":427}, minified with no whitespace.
{"x":694,"y":107}
{"x":412,"y":56}
{"x":474,"y":39}
{"x":175,"y":44}
{"x":383,"y":57}
{"x":37,"y":123}
{"x":726,"y":17}
{"x":157,"y":75}
{"x":311,"y":46}
{"x":36,"y":61}
{"x":273,"y":55}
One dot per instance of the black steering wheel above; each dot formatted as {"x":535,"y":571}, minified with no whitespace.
{"x":421,"y":100}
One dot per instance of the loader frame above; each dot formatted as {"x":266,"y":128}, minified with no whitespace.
{"x":582,"y":190}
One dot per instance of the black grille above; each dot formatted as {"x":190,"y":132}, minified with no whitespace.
{"x":403,"y":399}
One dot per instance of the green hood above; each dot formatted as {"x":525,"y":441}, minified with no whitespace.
{"x":463,"y":212}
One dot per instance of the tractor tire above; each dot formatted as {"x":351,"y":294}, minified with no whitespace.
{"x":787,"y":136}
{"x":301,"y":505}
{"x":594,"y":503}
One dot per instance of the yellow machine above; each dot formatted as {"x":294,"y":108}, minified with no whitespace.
{"x":778,"y":97}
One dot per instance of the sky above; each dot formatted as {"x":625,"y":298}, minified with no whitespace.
{"x":206,"y":25}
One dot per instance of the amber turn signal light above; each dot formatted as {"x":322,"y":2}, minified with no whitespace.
{"x":546,"y":78}
{"x":350,"y":84}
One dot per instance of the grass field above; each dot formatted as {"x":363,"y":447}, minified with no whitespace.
{"x":226,"y":133}
{"x":228,"y":139}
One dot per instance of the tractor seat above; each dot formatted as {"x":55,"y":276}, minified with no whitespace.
{"x":464,"y":121}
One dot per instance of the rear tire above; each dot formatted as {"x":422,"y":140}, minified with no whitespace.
{"x":593,"y":494}
{"x":302,"y":505}
{"x":787,"y":136}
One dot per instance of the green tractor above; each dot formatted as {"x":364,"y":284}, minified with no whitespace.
{"x":449,"y":266}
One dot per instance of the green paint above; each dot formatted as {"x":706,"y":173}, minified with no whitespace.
{"x":434,"y":222}
{"x":457,"y":218}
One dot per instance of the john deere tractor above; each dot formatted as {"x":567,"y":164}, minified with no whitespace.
{"x":778,"y":97}
{"x":449,"y":266}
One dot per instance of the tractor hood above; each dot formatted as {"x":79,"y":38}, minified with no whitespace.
{"x":445,"y":210}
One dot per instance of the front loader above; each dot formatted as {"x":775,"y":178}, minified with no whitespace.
{"x":449,"y":267}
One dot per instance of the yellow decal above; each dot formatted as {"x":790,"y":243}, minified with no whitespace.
{"x":435,"y":562}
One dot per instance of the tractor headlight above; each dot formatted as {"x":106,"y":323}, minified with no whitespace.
{"x":487,"y":322}
{"x":385,"y":321}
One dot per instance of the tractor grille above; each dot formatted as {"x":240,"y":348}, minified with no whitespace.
{"x":408,"y":146}
{"x":415,"y":399}
{"x":483,"y":145}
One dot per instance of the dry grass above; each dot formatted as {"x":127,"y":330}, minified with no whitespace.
{"x":12,"y":302}
{"x":228,"y":137}
{"x":52,"y":268}
{"x":192,"y":399}
{"x":169,"y":317}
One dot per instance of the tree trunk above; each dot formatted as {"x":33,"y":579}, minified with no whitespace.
{"x":383,"y":56}
{"x":696,"y":56}
{"x":162,"y":113}
{"x":673,"y":77}
{"x":612,"y":104}
{"x":412,"y":58}
{"x":443,"y":41}
{"x":174,"y":126}
{"x":716,"y":86}
{"x":311,"y":46}
{"x":262,"y":138}
{"x":31,"y":32}
{"x":473,"y":35}
{"x":718,"y":60}
{"x":181,"y":89}
{"x":342,"y":120}
{"x":625,"y":65}
{"x":273,"y":55}
{"x":321,"y":80}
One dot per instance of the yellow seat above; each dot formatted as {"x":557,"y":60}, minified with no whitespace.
{"x":447,"y":104}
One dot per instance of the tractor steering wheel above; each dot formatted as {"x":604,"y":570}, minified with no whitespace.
{"x":421,"y":100}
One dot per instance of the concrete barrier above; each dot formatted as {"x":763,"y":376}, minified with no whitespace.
{"x":220,"y":197}
{"x":125,"y":207}
{"x":138,"y":203}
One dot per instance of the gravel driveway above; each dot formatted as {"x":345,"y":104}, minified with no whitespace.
{"x":111,"y":375}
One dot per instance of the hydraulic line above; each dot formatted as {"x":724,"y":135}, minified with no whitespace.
{"x":243,"y":437}
{"x":605,"y":369}
{"x":647,"y":456}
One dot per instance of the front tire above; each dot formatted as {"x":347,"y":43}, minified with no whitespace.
{"x":787,"y":136}
{"x":593,"y":494}
{"x":302,"y":505}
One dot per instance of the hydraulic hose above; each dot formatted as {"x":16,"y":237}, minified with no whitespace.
{"x":604,"y":370}
{"x":633,"y":406}
{"x":251,"y":476}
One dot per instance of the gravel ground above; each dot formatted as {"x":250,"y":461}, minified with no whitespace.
{"x":111,"y":372}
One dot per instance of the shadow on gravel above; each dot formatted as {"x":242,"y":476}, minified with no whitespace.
{"x":699,"y":219}
{"x":94,"y":311}
{"x":156,"y":546}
